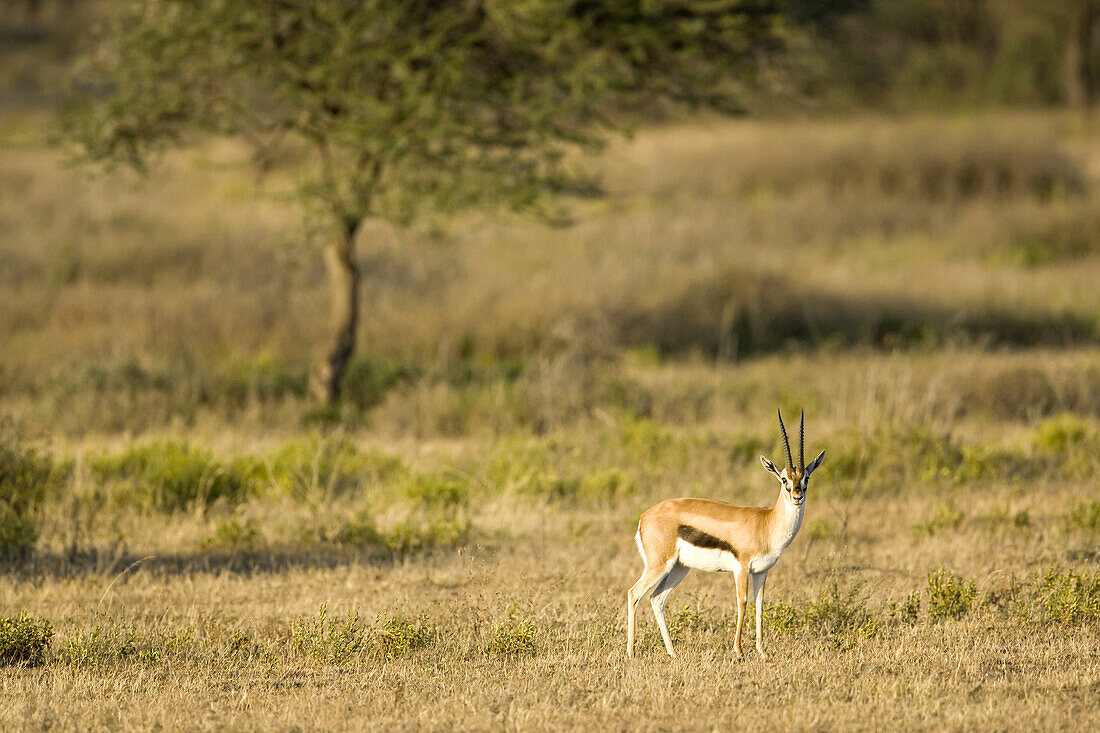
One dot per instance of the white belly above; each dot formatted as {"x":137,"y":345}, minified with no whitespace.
{"x":709,"y":560}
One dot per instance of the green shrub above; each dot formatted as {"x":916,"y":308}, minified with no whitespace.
{"x":396,"y":635}
{"x":1070,"y":598}
{"x":908,"y":610}
{"x":102,"y":646}
{"x":171,"y":476}
{"x":233,"y":533}
{"x":646,"y":444}
{"x":946,"y":516}
{"x":1060,"y":433}
{"x":417,"y":533}
{"x":24,"y":640}
{"x":328,"y":640}
{"x":412,"y":535}
{"x":835,"y":615}
{"x":820,"y":529}
{"x":607,"y":484}
{"x":949,"y":596}
{"x":1086,"y":516}
{"x":512,"y":636}
{"x":263,"y":377}
{"x":366,"y":381}
{"x":437,"y":491}
{"x":26,"y":478}
{"x":318,"y":466}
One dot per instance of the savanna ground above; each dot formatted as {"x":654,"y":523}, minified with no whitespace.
{"x":452,"y":548}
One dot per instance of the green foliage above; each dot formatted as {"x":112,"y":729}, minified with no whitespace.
{"x":394,"y":636}
{"x":607,"y":484}
{"x":420,"y":532}
{"x":1002,"y":516}
{"x":908,"y":610}
{"x":820,"y":529}
{"x":171,"y":475}
{"x":317,"y":467}
{"x":26,"y":478}
{"x":1060,"y":434}
{"x":411,"y":107}
{"x":1070,"y":598}
{"x":367,"y":381}
{"x":889,"y":460}
{"x":1086,"y":516}
{"x":233,"y":533}
{"x":117,"y":644}
{"x":328,"y":640}
{"x":946,"y":516}
{"x":512,"y":636}
{"x":262,"y":377}
{"x":24,"y":640}
{"x":442,"y":491}
{"x":949,"y":596}
{"x":837,"y":616}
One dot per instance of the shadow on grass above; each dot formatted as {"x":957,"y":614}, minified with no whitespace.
{"x":741,"y":316}
{"x":271,"y":560}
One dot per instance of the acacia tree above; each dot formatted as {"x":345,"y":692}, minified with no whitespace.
{"x":404,"y":107}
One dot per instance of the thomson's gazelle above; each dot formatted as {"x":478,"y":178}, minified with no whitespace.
{"x":679,"y":534}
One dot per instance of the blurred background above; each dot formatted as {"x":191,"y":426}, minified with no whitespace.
{"x":901,"y":232}
{"x":898,"y":231}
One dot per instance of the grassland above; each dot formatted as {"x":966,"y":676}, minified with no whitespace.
{"x":452,"y":548}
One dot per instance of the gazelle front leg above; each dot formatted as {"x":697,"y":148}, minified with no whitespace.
{"x":741,"y":580}
{"x":758,"y":581}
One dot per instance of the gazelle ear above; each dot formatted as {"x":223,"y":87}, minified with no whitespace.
{"x":769,"y":466}
{"x":816,"y":463}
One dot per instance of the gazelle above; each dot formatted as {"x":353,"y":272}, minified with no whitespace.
{"x":679,"y":534}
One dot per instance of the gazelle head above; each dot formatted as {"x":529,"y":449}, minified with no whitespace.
{"x":794,"y":480}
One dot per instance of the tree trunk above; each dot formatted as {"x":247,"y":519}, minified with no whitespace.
{"x":343,"y":278}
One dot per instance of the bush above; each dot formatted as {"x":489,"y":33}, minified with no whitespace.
{"x":417,"y":533}
{"x":233,"y":533}
{"x":328,"y":640}
{"x":172,"y":476}
{"x":319,"y":466}
{"x":1086,"y":516}
{"x":24,"y":640}
{"x":946,"y":516}
{"x":1070,"y":598}
{"x":396,"y":635}
{"x":608,"y":484}
{"x":1060,"y":434}
{"x":25,"y":480}
{"x":949,"y":597}
{"x":837,"y":616}
{"x":102,"y":646}
{"x":512,"y":636}
{"x":908,"y":611}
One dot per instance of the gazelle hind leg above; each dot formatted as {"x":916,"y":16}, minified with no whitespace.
{"x":649,"y":579}
{"x":758,"y":581}
{"x":660,"y":594}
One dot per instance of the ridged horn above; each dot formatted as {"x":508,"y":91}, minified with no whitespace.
{"x":786,"y":441}
{"x":802,"y":442}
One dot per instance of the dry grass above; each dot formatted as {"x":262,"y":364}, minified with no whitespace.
{"x":453,"y":549}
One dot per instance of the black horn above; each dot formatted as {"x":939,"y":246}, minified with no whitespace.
{"x":802,"y":442}
{"x":786,"y":442}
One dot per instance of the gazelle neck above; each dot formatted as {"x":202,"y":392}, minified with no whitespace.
{"x":785,"y":520}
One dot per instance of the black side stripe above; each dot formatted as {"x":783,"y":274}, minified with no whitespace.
{"x":699,"y":538}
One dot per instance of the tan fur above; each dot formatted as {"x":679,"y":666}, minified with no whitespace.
{"x":756,"y":535}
